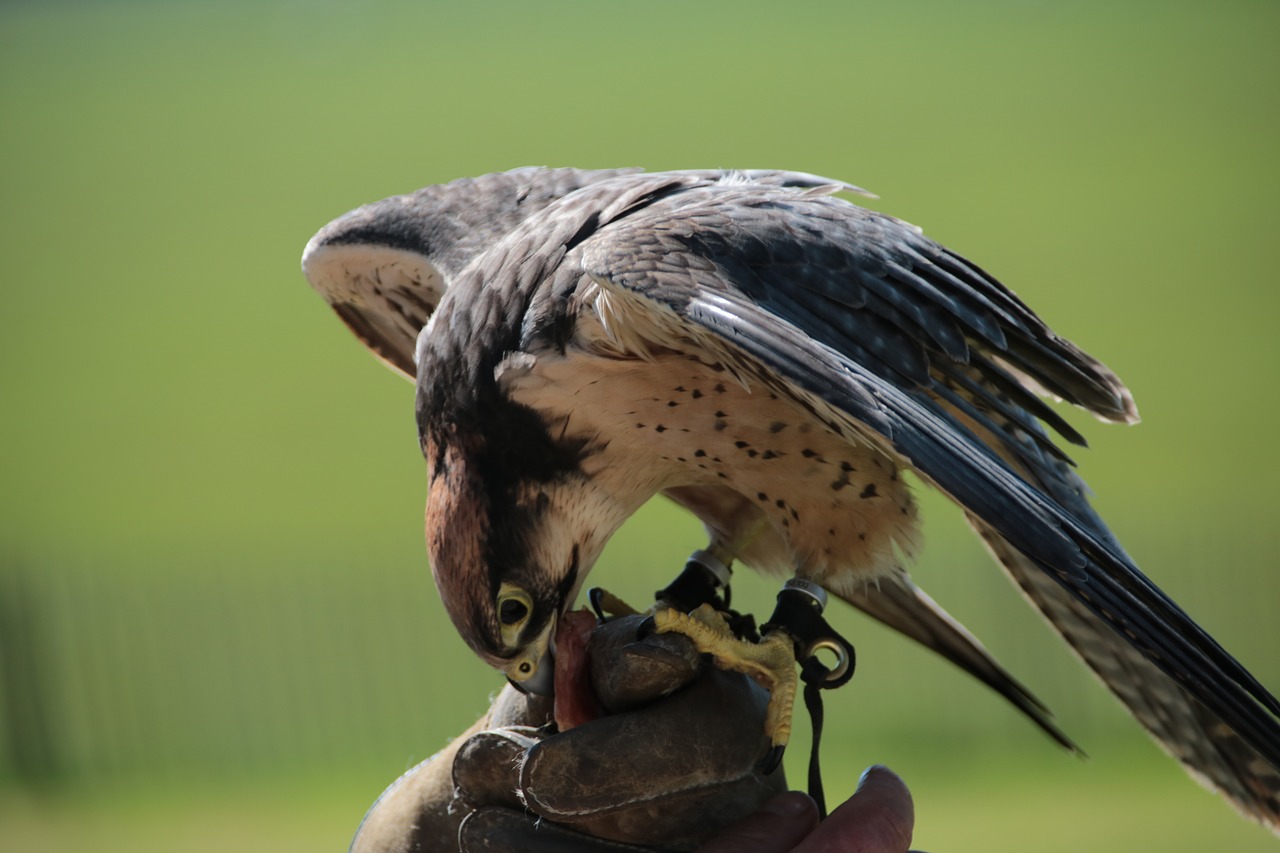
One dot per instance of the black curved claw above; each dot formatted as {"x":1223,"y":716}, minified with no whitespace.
{"x":595,"y":597}
{"x":771,"y":759}
{"x":646,"y":628}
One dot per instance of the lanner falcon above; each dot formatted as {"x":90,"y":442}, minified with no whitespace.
{"x":771,"y":357}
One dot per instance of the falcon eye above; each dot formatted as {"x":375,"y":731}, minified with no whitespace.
{"x":512,"y":611}
{"x":514,"y":607}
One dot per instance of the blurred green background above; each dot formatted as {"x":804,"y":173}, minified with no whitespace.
{"x":217,"y":628}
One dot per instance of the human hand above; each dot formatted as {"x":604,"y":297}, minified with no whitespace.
{"x":673,"y":764}
{"x":670,"y":774}
{"x":878,"y":818}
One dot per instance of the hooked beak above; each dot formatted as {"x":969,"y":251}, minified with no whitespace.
{"x":534,"y":672}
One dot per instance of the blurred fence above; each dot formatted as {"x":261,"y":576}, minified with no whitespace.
{"x":113,"y":672}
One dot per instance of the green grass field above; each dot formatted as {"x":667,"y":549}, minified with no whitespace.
{"x":217,"y":628}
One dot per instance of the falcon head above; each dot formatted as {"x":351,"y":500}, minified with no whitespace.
{"x":509,"y":549}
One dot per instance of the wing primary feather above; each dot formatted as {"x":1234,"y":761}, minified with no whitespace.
{"x":1062,"y":368}
{"x":1008,"y":439}
{"x":1063,"y":377}
{"x":972,"y":313}
{"x":1028,"y":400}
{"x":1187,"y":663}
{"x":936,"y":283}
{"x":1209,"y":749}
{"x":1018,"y":414}
{"x":983,"y":282}
{"x":971,"y":280}
{"x":1024,"y":517}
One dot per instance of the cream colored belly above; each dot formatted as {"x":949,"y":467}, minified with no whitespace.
{"x":734,"y":457}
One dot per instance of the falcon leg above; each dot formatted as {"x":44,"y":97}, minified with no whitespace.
{"x":705,"y":575}
{"x":705,"y":580}
{"x":796,"y":632}
{"x":770,"y":662}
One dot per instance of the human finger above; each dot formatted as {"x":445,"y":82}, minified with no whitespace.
{"x":486,"y":769}
{"x":780,"y":824}
{"x":878,"y":818}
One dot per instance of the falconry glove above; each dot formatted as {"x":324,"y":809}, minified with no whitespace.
{"x":673,"y":761}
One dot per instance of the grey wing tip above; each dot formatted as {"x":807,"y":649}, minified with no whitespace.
{"x":373,"y":270}
{"x":807,"y":179}
{"x":1129,"y":407}
{"x":1115,"y":402}
{"x":797,"y":180}
{"x":1122,"y":408}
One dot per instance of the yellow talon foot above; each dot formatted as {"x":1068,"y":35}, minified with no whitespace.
{"x":771,"y":662}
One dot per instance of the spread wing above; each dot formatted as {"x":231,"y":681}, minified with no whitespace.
{"x":385,"y":266}
{"x":889,"y":338}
